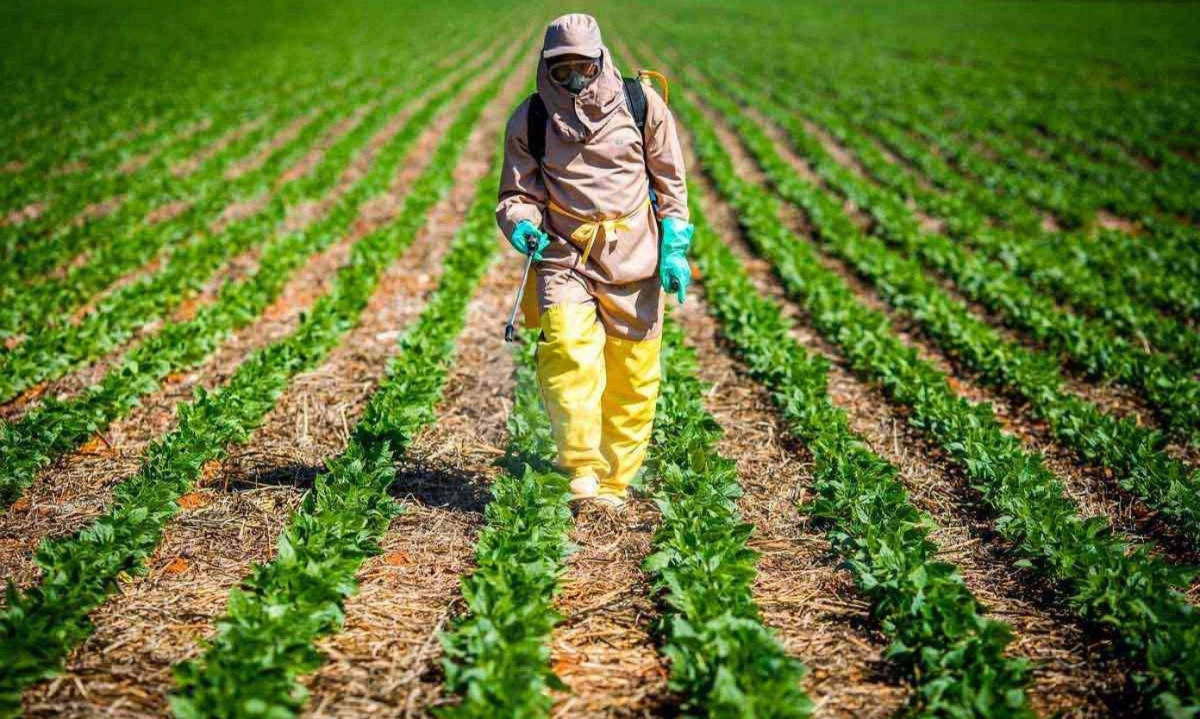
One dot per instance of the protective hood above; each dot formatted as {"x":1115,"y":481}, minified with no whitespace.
{"x":577,"y":118}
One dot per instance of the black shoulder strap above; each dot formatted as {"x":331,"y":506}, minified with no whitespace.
{"x":635,"y":98}
{"x":535,"y":127}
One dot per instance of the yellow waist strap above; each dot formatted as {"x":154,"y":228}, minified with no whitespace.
{"x":587,"y":232}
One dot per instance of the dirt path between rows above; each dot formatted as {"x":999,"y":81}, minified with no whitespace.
{"x":137,"y":162}
{"x":386,"y":658}
{"x":263,"y":152}
{"x":1070,"y":676}
{"x":605,"y":649}
{"x":193,"y":163}
{"x":812,"y":607}
{"x":156,"y":621}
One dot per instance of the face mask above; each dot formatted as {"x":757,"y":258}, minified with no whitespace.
{"x":575,"y":83}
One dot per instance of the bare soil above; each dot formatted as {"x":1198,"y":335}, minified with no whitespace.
{"x":387,"y":657}
{"x":167,"y":211}
{"x":28,"y":213}
{"x":1109,"y":221}
{"x":605,"y":648}
{"x":262,"y":154}
{"x":98,"y":210}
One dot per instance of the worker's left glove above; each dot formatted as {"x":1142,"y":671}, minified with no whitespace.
{"x":673,"y":268}
{"x":522,"y":233}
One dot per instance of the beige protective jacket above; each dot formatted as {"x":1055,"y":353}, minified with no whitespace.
{"x":596,"y":166}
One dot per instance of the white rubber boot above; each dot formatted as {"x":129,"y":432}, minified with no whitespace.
{"x":584,"y":487}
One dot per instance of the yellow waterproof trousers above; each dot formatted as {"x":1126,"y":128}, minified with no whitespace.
{"x":600,"y":393}
{"x":633,"y":374}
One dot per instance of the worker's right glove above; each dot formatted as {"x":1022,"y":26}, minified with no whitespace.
{"x":521,"y":235}
{"x":673,"y":268}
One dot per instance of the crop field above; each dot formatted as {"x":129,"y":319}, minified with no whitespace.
{"x":928,"y":442}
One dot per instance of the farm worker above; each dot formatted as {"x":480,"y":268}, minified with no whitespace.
{"x":582,"y":193}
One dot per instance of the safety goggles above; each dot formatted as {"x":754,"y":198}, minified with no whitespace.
{"x":561,"y":72}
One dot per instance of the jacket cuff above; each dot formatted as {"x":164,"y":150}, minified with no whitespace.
{"x":514,"y":215}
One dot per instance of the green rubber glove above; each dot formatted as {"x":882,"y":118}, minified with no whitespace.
{"x":673,"y":268}
{"x":521,"y":235}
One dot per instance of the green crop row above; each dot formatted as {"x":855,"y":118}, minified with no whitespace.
{"x":40,"y":178}
{"x":1046,"y":170}
{"x":57,"y":426}
{"x":129,"y":239}
{"x":954,"y":656}
{"x":497,"y":653}
{"x":81,"y":88}
{"x":123,"y":130}
{"x":1066,"y":274}
{"x":266,"y":640}
{"x":724,"y":662}
{"x":1129,"y":188}
{"x":935,"y":122}
{"x":50,"y":350}
{"x":1137,"y":190}
{"x":1109,"y":583}
{"x":1133,"y":261}
{"x":72,"y":193}
{"x":982,"y":94}
{"x":1136,"y":454}
{"x":1084,"y":343}
{"x":39,"y":626}
{"x":1071,"y":195}
{"x":101,"y":183}
{"x":951,"y":652}
{"x":177,"y":134}
{"x":163,"y":180}
{"x":1064,"y":264}
{"x":1081,"y":267}
{"x":48,"y":354}
{"x":62,"y":198}
{"x":1086,"y":184}
{"x":1071,"y":203}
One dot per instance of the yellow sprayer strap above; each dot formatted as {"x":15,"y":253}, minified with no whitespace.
{"x":587,"y":232}
{"x":646,"y":75}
